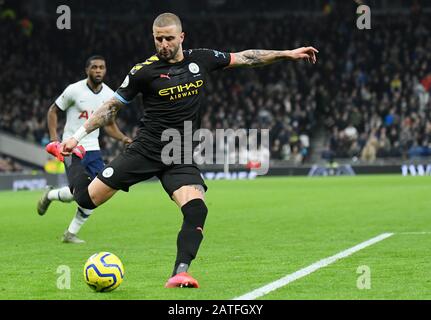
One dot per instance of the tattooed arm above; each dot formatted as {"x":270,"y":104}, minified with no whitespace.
{"x":104,"y":115}
{"x":256,"y":58}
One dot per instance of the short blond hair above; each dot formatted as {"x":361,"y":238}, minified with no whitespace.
{"x":167,"y":19}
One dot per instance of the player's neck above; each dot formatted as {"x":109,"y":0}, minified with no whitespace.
{"x":178,"y":57}
{"x":93,"y":86}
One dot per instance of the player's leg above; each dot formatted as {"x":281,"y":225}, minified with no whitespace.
{"x":92,"y":196}
{"x":61,"y":194}
{"x":189,"y":194}
{"x":190,"y":199}
{"x":93,"y":164}
{"x":88,"y":193}
{"x":99,"y":192}
{"x":125,"y":170}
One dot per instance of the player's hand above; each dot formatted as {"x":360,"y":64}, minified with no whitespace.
{"x":126,"y":140}
{"x":67,"y":146}
{"x":307,"y":53}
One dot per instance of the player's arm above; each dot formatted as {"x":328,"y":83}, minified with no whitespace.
{"x":52,"y":120}
{"x":62,"y":103}
{"x":101,"y":117}
{"x":256,"y":58}
{"x":114,"y":132}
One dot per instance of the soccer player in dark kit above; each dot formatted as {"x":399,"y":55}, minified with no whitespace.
{"x":171,"y":82}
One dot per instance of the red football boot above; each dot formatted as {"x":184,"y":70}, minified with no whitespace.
{"x":182,"y":280}
{"x":54,"y":149}
{"x":79,"y":151}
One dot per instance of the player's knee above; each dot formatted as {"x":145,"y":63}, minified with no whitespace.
{"x":99,"y":192}
{"x":82,"y":197}
{"x":187,"y":193}
{"x":195,"y":212}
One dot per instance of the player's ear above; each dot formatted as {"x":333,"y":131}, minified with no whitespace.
{"x":182,"y":36}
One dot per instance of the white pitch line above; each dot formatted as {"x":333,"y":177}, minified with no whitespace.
{"x":310,"y":269}
{"x":415,"y":232}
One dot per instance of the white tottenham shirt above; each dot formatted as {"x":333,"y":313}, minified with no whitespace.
{"x":79,"y":102}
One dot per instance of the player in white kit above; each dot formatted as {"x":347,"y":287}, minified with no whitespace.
{"x":79,"y":100}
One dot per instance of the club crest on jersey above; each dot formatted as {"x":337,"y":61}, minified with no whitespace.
{"x":193,"y":67}
{"x":108,"y":172}
{"x":125,"y":82}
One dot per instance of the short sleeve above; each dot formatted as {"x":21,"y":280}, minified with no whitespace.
{"x":212,"y":59}
{"x":131,"y":85}
{"x":65,"y":100}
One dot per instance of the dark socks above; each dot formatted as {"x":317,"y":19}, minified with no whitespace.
{"x":190,"y":236}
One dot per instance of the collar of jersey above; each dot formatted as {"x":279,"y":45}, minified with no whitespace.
{"x":101,"y":88}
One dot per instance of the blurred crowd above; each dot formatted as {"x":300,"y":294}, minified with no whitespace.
{"x":369,"y":88}
{"x":378,"y":104}
{"x":9,"y":165}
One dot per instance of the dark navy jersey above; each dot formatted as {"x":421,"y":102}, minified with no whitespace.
{"x":172,"y":95}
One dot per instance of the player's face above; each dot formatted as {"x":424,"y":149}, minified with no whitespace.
{"x":96,"y":71}
{"x":168,"y":41}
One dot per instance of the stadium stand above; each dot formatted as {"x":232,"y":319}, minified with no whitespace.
{"x":373,"y":100}
{"x":380,"y":105}
{"x":9,"y":165}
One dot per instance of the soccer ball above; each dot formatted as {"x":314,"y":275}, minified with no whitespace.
{"x":103,"y":271}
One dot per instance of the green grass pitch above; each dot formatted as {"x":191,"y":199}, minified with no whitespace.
{"x":256,"y":232}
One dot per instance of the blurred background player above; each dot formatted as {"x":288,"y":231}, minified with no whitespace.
{"x":79,"y":100}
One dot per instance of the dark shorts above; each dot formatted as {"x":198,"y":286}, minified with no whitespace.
{"x":93,"y":162}
{"x":131,"y":167}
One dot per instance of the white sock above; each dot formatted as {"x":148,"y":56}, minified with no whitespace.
{"x":62,"y":194}
{"x":80,"y":217}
